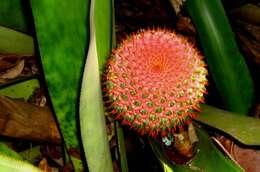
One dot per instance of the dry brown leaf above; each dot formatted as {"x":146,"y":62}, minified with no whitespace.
{"x":14,"y":71}
{"x":8,"y":61}
{"x":177,"y":4}
{"x":44,"y":166}
{"x":248,"y":158}
{"x":251,"y":47}
{"x":248,"y":12}
{"x":14,"y":68}
{"x":185,"y":25}
{"x":252,"y":30}
{"x":183,"y":144}
{"x":23,"y":120}
{"x":4,"y":65}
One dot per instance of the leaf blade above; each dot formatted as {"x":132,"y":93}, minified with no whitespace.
{"x":226,"y":64}
{"x":92,"y":119}
{"x":13,"y":42}
{"x":20,"y":90}
{"x":63,"y":40}
{"x":244,"y":129}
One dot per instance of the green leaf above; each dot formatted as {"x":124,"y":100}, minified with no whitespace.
{"x":103,"y":30}
{"x":121,"y":147}
{"x":226,"y":64}
{"x":92,"y":120}
{"x":119,"y":129}
{"x":12,"y":161}
{"x":166,"y":165}
{"x":244,"y":129}
{"x":32,"y":155}
{"x":5,"y":150}
{"x":62,"y":34}
{"x":208,"y":158}
{"x":13,"y":42}
{"x":20,"y":90}
{"x":13,"y":15}
{"x":11,"y":164}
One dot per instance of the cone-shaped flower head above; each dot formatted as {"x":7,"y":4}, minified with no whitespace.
{"x":154,"y":82}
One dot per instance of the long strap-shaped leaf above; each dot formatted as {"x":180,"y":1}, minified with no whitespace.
{"x":5,"y":150}
{"x":92,"y":120}
{"x":226,"y":64}
{"x":244,"y":129}
{"x":62,"y":30}
{"x":10,"y":164}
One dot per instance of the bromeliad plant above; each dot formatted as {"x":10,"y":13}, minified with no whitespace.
{"x":154,"y":82}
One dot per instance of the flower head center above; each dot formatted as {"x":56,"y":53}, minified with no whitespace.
{"x":157,"y":68}
{"x":158,"y":64}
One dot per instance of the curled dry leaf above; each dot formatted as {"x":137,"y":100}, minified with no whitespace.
{"x":14,"y":71}
{"x":177,"y":4}
{"x":15,"y":67}
{"x":7,"y":62}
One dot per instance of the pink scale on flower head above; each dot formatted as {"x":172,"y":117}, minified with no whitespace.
{"x":155,"y":81}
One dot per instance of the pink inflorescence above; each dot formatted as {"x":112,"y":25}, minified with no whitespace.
{"x":154,"y":82}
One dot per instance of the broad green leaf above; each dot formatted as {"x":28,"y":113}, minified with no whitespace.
{"x":10,"y":164}
{"x":244,"y":129}
{"x":208,"y":158}
{"x":92,"y":120}
{"x":13,"y":42}
{"x":5,"y":150}
{"x":226,"y":65}
{"x":62,"y":34}
{"x":13,"y":15}
{"x":12,"y":161}
{"x":20,"y":90}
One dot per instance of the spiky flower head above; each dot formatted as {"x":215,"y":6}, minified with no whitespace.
{"x":154,"y":82}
